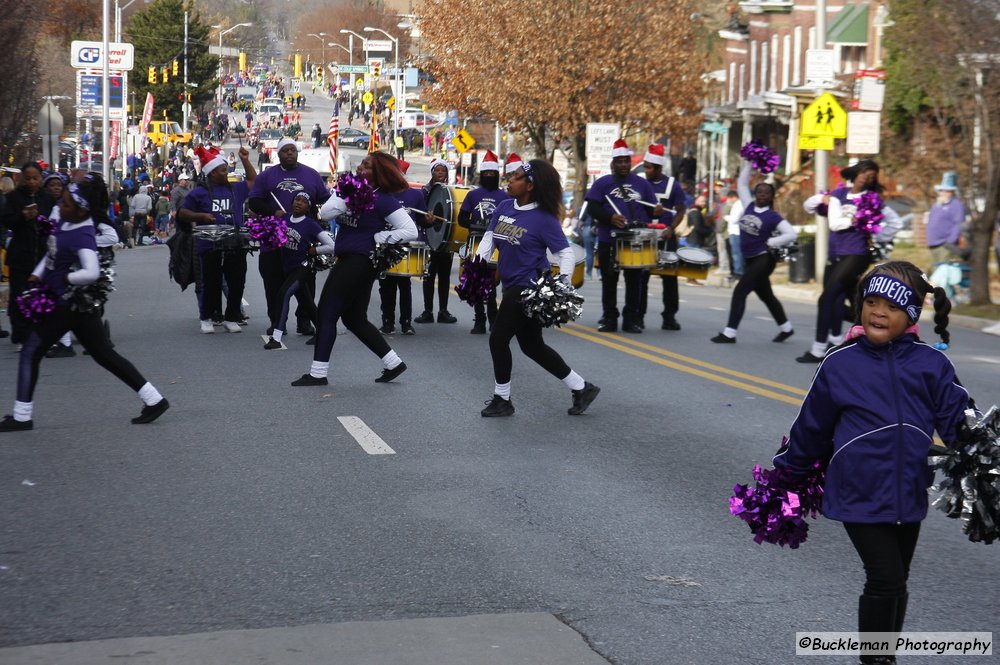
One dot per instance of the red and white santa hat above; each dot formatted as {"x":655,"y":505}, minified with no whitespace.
{"x":490,"y":162}
{"x":655,"y":155}
{"x":440,"y":162}
{"x":210,"y":158}
{"x":620,"y":149}
{"x":514,"y":162}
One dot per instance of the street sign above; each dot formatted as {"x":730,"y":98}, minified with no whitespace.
{"x":50,"y":126}
{"x":391,"y":103}
{"x":352,"y":69}
{"x":88,"y":55}
{"x":869,"y":90}
{"x":824,"y":117}
{"x":378,"y":45}
{"x":601,"y":137}
{"x":463,"y":141}
{"x":815,"y":143}
{"x":368,"y":98}
{"x":714,"y":127}
{"x":819,"y":68}
{"x":863,"y":133}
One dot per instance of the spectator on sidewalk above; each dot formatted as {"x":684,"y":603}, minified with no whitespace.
{"x":944,"y":222}
{"x":142,"y":205}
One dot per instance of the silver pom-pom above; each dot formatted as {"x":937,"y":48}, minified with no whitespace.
{"x":551,"y":301}
{"x":386,"y":255}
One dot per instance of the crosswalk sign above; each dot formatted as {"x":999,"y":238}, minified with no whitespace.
{"x":824,"y":118}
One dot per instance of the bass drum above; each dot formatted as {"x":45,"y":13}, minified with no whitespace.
{"x":444,"y":202}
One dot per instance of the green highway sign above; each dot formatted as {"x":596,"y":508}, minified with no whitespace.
{"x":351,"y":69}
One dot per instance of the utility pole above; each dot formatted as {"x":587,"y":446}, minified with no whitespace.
{"x":185,"y":107}
{"x":105,"y":94}
{"x":821,"y":160}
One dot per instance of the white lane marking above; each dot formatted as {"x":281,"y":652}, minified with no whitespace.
{"x":719,"y":309}
{"x":371,"y":442}
{"x":983,"y":359}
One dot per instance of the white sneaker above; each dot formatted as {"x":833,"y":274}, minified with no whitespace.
{"x":232,"y":326}
{"x":206,"y":327}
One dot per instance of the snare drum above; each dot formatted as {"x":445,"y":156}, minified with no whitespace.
{"x":580,"y":257}
{"x":636,"y":250}
{"x":694,"y":262}
{"x":666,"y":263}
{"x":445,"y":202}
{"x":414,"y":264}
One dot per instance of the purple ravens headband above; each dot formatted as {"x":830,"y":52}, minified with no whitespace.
{"x":74,"y":191}
{"x":526,"y":167}
{"x":896,"y":292}
{"x":303,"y":195}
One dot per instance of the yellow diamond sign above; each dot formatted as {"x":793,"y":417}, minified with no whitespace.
{"x":824,"y":118}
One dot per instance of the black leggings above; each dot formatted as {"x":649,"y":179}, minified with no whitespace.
{"x":511,"y":322}
{"x":886,"y":551}
{"x":438,"y":266}
{"x":89,"y":331}
{"x":840,"y":281}
{"x":755,"y":279}
{"x":295,"y":284}
{"x":387,"y":289}
{"x":345,"y":296}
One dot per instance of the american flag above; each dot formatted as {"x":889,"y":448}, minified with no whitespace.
{"x":332,"y":138}
{"x":373,"y":144}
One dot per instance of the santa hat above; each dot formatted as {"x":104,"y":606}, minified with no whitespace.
{"x":440,"y":162}
{"x":655,"y":155}
{"x":620,"y":149}
{"x":287,"y":141}
{"x":210,"y":158}
{"x":490,"y":162}
{"x":514,"y":162}
{"x":404,"y":165}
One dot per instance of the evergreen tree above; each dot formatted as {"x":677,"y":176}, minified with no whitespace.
{"x":158,"y":36}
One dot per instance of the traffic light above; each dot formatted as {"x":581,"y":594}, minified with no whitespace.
{"x":166,"y":74}
{"x":377,"y":69}
{"x":151,"y":76}
{"x":177,"y":68}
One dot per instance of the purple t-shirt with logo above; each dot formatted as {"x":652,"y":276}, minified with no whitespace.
{"x":851,"y":241}
{"x":522,"y":235}
{"x":286,"y":184}
{"x":755,"y":229}
{"x":481,"y":203}
{"x":301,"y":235}
{"x":225,"y":202}
{"x":63,"y":255}
{"x":623,"y":193}
{"x":670,"y":200}
{"x":356,"y":235}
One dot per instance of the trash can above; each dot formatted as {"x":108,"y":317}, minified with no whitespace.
{"x":802,"y":264}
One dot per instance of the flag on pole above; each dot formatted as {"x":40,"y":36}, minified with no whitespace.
{"x":332,"y":139}
{"x":373,"y":143}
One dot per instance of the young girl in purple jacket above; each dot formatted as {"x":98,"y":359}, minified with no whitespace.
{"x":870,"y":415}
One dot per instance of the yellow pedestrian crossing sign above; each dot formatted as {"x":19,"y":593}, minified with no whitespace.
{"x":824,"y":118}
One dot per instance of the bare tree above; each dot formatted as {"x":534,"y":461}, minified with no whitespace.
{"x":19,"y":24}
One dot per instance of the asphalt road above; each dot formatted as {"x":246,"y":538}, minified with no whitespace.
{"x":249,"y":505}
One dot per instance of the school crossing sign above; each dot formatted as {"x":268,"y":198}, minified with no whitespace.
{"x":824,"y":119}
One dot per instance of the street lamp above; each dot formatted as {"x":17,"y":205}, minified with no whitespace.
{"x":320,"y":36}
{"x":399,"y":85}
{"x":238,"y":25}
{"x":350,"y":88}
{"x":350,"y":45}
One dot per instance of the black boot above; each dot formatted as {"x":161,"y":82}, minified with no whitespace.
{"x":876,"y":614}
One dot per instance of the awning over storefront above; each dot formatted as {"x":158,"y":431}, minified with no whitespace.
{"x":850,"y":26}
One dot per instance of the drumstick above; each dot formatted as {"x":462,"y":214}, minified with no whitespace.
{"x":280,"y":207}
{"x":424,"y":212}
{"x":613,"y":206}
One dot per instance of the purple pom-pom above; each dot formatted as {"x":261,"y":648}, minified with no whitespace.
{"x":868,"y":214}
{"x":357,"y":193}
{"x":475,"y":286}
{"x":760,"y":156}
{"x":776,"y":507}
{"x":45,"y":226}
{"x":36,"y":303}
{"x":270,"y":232}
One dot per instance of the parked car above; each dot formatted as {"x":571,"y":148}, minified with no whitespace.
{"x":412,"y":118}
{"x":354,"y":138}
{"x":159,"y":130}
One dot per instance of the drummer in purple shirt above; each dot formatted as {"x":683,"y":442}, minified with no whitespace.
{"x":220,"y":202}
{"x":613,"y":202}
{"x":522,"y":229}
